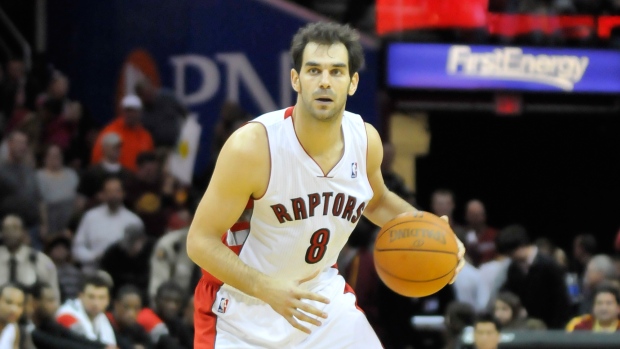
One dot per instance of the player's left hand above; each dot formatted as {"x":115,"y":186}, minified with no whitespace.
{"x":461,"y":254}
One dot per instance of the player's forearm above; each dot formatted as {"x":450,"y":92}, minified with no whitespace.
{"x":390,"y":206}
{"x":209,"y":253}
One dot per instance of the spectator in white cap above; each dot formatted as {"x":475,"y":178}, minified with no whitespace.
{"x":134,"y":137}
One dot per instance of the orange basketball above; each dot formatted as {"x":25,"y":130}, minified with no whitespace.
{"x":416,"y":254}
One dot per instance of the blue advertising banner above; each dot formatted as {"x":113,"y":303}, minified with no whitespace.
{"x":441,"y":66}
{"x":205,"y":51}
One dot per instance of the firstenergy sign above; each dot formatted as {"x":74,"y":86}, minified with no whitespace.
{"x":492,"y":68}
{"x":511,"y":63}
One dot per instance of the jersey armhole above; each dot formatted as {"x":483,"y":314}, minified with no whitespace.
{"x":270,"y":161}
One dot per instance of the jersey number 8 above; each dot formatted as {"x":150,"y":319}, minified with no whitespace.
{"x":318,"y":246}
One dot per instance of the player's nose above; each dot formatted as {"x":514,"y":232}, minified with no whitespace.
{"x":325,"y":83}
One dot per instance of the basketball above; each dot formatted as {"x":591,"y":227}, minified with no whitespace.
{"x":416,"y":255}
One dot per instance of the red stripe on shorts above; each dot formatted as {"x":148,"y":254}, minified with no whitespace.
{"x":205,"y":321}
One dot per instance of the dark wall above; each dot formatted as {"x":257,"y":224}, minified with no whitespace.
{"x":557,"y":174}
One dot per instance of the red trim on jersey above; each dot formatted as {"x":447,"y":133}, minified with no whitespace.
{"x":240,"y":226}
{"x":205,"y":321}
{"x":66,"y":320}
{"x":349,"y":289}
{"x":288,"y":112}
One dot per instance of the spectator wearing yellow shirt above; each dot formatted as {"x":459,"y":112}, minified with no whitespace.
{"x":605,"y":311}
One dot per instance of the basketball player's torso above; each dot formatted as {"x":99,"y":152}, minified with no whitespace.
{"x":305,"y":217}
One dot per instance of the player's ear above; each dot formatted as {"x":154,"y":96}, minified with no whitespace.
{"x":295,"y":80}
{"x":355,"y":79}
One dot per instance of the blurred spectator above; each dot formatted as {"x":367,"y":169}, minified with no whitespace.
{"x":149,"y":195}
{"x":493,"y":273}
{"x":358,"y":270}
{"x":20,"y":190}
{"x":69,"y":276}
{"x":60,"y":115}
{"x":123,"y":317}
{"x":470,"y":289}
{"x":616,"y":259}
{"x":127,"y":261}
{"x":92,"y":179}
{"x":12,"y":299}
{"x":584,"y":247}
{"x":393,"y":181}
{"x":480,"y":238}
{"x":135,"y":138}
{"x":49,"y":334}
{"x":170,"y":262}
{"x":442,"y":204}
{"x":17,"y":88}
{"x":549,"y":249}
{"x":536,"y":279}
{"x":231,"y":117}
{"x":165,"y":318}
{"x":162,"y":115}
{"x":604,"y":317}
{"x":58,"y":185}
{"x":486,"y":332}
{"x":102,"y":226}
{"x":188,"y":313}
{"x":511,"y":315}
{"x":396,"y":311}
{"x":20,"y":263}
{"x":458,"y":317}
{"x":600,"y":268}
{"x":85,"y":314}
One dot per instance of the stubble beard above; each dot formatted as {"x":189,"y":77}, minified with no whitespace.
{"x":319,"y":114}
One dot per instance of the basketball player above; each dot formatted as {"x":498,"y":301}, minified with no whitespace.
{"x":310,"y":171}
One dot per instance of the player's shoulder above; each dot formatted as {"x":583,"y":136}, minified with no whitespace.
{"x":274,"y":117}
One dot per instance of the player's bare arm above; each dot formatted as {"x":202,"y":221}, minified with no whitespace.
{"x":242,"y":171}
{"x":385,"y":205}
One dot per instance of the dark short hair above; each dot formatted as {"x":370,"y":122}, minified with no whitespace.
{"x":443,"y":191}
{"x":127,"y":290}
{"x":14,"y":285}
{"x":460,"y":314}
{"x":606,"y":287}
{"x":167,"y":287}
{"x":513,"y":301}
{"x":94,"y":280}
{"x":145,"y":157}
{"x":511,"y":238}
{"x":488,"y":318}
{"x":36,"y":289}
{"x":328,"y":34}
{"x":587,"y":242}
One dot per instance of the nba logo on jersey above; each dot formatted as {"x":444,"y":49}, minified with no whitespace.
{"x":353,"y":169}
{"x":223,"y":305}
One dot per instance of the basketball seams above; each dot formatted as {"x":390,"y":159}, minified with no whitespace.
{"x":408,"y":280}
{"x":384,"y":230}
{"x":414,"y":250}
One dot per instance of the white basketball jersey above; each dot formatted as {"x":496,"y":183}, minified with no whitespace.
{"x":305,"y":217}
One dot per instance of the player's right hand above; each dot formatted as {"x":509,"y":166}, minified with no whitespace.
{"x":286,"y":298}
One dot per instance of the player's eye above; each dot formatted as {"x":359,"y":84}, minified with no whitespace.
{"x":336,"y":72}
{"x":313,"y":71}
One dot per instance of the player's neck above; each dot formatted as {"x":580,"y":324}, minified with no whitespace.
{"x":317,"y":137}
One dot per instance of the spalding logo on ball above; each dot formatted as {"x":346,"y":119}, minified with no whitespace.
{"x":416,"y":254}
